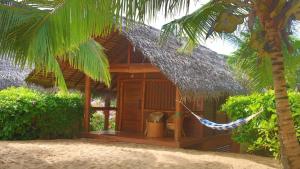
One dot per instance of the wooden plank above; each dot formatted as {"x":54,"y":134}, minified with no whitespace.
{"x":201,"y":110}
{"x":133,"y":68}
{"x":106,"y":114}
{"x":211,"y":143}
{"x":159,"y":95}
{"x":129,"y":53}
{"x":137,"y":138}
{"x":82,"y":77}
{"x":156,"y":110}
{"x":87,"y":104}
{"x":118,"y":105}
{"x":104,"y":108}
{"x":121,"y":105}
{"x":132,"y":138}
{"x":143,"y":103}
{"x":131,"y":107}
{"x":178,"y":120}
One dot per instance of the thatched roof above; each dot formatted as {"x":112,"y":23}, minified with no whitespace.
{"x":202,"y":72}
{"x":11,"y":75}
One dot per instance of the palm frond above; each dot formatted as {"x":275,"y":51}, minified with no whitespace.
{"x":141,"y":9}
{"x":198,"y":25}
{"x":255,"y":71}
{"x":43,"y":4}
{"x":90,"y":59}
{"x":38,"y":37}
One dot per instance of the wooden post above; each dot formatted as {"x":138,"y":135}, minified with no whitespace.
{"x":129,"y":53}
{"x":87,"y":104}
{"x":106,"y":114}
{"x":143,"y":102}
{"x":118,"y":104}
{"x":178,"y":119}
{"x":120,"y":108}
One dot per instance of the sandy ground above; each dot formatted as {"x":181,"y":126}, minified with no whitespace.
{"x":91,"y":154}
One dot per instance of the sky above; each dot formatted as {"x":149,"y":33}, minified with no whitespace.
{"x":217,"y":45}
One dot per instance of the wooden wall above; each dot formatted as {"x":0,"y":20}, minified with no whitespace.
{"x":212,"y":112}
{"x":191,"y":125}
{"x":159,"y":95}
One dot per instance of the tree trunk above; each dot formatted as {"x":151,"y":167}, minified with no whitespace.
{"x":290,"y":149}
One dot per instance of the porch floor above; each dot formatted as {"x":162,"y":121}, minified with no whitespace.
{"x":139,"y":138}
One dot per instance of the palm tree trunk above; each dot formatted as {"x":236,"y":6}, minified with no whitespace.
{"x":290,"y":149}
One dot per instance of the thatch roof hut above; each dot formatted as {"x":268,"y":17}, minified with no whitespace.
{"x":148,"y":77}
{"x":202,"y":72}
{"x":11,"y":75}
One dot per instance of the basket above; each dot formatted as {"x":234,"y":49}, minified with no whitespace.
{"x":155,"y":129}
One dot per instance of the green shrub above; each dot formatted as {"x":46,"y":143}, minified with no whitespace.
{"x":261,"y":134}
{"x":97,"y":122}
{"x":30,"y":114}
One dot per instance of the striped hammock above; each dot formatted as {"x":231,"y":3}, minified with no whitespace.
{"x":228,"y":126}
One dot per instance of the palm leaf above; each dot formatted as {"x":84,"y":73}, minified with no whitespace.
{"x":142,"y":9}
{"x":39,"y":38}
{"x":91,"y":59}
{"x":199,"y":25}
{"x":255,"y":71}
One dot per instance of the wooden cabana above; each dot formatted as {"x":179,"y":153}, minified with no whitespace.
{"x":148,"y":77}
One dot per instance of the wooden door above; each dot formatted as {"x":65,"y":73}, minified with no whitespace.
{"x":131,"y":106}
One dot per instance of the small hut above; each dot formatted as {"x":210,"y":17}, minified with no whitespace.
{"x":148,"y":77}
{"x":11,"y":75}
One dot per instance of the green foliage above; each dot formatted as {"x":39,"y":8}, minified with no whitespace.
{"x":97,"y":122}
{"x":253,"y":69}
{"x":29,"y":114}
{"x":261,"y":134}
{"x":39,"y":38}
{"x":213,"y":19}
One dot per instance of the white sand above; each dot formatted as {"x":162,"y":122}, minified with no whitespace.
{"x":91,"y":154}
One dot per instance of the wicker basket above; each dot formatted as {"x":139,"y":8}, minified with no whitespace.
{"x":155,"y":129}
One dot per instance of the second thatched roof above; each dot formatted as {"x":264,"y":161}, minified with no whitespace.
{"x":11,"y":75}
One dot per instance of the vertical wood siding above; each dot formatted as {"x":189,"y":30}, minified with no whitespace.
{"x":159,"y":95}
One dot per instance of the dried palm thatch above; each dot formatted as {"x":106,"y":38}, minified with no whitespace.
{"x":204,"y":72}
{"x":11,"y":75}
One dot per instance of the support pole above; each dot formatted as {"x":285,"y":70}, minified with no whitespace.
{"x":106,"y":114}
{"x":129,"y":53}
{"x":87,"y":104}
{"x":178,"y":115}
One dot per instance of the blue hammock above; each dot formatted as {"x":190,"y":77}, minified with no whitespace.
{"x":217,"y":126}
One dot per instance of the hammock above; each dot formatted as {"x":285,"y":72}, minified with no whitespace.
{"x":217,"y":126}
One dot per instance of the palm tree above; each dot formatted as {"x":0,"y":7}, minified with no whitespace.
{"x":223,"y":17}
{"x":42,"y":33}
{"x":255,"y":72}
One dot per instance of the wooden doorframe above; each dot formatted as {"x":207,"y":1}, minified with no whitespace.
{"x":120,"y":101}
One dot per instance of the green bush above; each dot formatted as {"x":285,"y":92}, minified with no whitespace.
{"x":261,"y":134}
{"x":97,"y":122}
{"x":29,"y":114}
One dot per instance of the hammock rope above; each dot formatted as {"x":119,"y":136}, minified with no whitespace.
{"x":218,"y":126}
